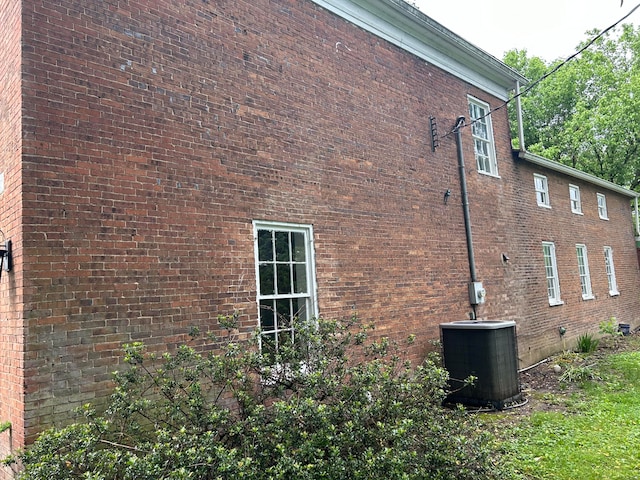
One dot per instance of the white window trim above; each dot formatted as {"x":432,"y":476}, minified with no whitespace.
{"x":583,"y":272}
{"x":312,"y":294}
{"x":545,"y":190}
{"x":611,"y":272}
{"x":489,"y":140}
{"x":577,"y":210}
{"x":556,"y":300}
{"x":604,"y":206}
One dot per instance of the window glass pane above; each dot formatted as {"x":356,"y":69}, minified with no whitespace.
{"x":298,"y":247}
{"x":538,"y":182}
{"x":266,"y":279}
{"x":300,"y":278}
{"x":266,"y":315}
{"x":268,"y":344}
{"x":283,"y":308}
{"x":285,"y":338}
{"x":482,"y":148}
{"x":300,"y":308}
{"x":472,"y":113}
{"x":284,"y":278}
{"x":265,"y":245}
{"x":481,"y":129}
{"x":282,"y":247}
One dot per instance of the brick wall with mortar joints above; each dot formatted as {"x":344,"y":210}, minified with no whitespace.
{"x":539,"y":324}
{"x":11,"y":291}
{"x":155,"y":143}
{"x":157,"y":134}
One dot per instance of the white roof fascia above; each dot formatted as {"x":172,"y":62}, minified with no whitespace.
{"x":575,"y":173}
{"x":408,"y":28}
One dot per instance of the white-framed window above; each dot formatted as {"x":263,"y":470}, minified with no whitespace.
{"x":551,"y":272}
{"x":583,"y":271}
{"x":542,"y":190}
{"x":574,"y":197}
{"x":611,"y":272}
{"x":482,"y":133}
{"x":602,"y":206}
{"x":285,"y":271}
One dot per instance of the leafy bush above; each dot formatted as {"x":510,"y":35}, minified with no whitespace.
{"x":610,"y":328}
{"x":335,"y":405}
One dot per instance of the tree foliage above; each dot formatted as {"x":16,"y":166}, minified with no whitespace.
{"x":335,"y":405}
{"x":587,"y":114}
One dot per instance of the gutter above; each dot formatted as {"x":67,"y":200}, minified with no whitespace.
{"x":413,"y":31}
{"x":574,"y":172}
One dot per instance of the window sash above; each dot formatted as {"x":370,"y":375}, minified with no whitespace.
{"x":482,"y":133}
{"x":542,"y":190}
{"x":583,"y":271}
{"x":602,"y":206}
{"x":551,"y":271}
{"x":285,"y":281}
{"x":610,"y":270}
{"x":574,"y":195}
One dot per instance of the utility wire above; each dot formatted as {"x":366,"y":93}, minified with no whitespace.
{"x":550,"y":72}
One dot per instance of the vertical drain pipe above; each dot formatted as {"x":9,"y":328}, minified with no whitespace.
{"x":465,"y":203}
{"x":521,"y":145}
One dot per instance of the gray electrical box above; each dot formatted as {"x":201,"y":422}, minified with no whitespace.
{"x":477,"y":293}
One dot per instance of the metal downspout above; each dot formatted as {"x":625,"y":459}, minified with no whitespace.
{"x":637,"y":218}
{"x":521,"y":145}
{"x":465,"y":203}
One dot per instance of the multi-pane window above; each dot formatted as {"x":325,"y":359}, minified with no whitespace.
{"x":551,"y":271}
{"x":542,"y":190}
{"x":583,"y":271}
{"x":482,"y":133}
{"x":602,"y":206}
{"x":611,"y":272}
{"x":574,"y":197}
{"x":285,"y":271}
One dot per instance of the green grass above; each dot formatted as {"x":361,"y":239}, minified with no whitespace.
{"x":598,"y":440}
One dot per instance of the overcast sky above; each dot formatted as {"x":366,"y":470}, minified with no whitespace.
{"x":549,"y":29}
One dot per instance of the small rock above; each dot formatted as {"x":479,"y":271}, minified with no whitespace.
{"x":557,"y":368}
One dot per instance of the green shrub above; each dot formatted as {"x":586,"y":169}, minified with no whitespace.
{"x":610,"y":328}
{"x":336,"y":405}
{"x":587,"y":343}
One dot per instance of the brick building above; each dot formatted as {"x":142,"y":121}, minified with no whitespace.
{"x":166,"y":162}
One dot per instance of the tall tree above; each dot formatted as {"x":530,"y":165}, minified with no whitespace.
{"x":587,"y":113}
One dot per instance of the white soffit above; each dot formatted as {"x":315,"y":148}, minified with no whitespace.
{"x":408,"y":28}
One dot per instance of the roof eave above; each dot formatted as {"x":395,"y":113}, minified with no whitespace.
{"x":574,"y":172}
{"x":408,"y":28}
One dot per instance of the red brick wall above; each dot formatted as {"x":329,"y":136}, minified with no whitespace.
{"x":156,"y":133}
{"x":530,"y":225}
{"x":11,"y":301}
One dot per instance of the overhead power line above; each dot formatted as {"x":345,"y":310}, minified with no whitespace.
{"x":555,"y":69}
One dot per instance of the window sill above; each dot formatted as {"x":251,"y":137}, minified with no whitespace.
{"x":555,"y":303}
{"x":604,"y":218}
{"x":588,"y":297}
{"x":614,"y":293}
{"x":488,"y":174}
{"x":542,"y":205}
{"x":576,"y":212}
